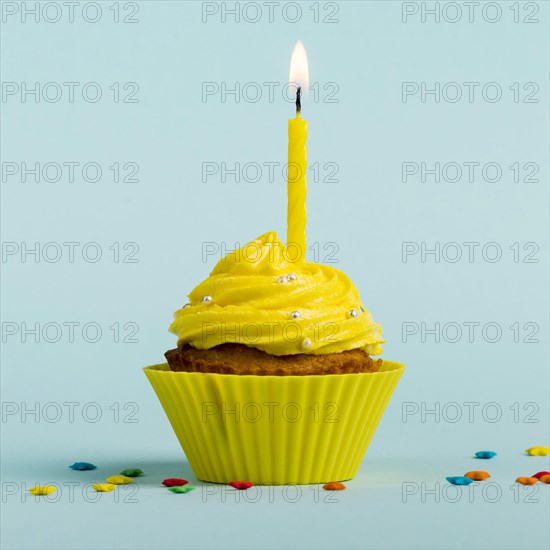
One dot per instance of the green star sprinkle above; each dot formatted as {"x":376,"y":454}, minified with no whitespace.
{"x":131,"y":472}
{"x":181,"y":489}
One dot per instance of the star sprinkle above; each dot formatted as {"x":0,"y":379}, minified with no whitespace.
{"x":485,"y":454}
{"x":174,"y":482}
{"x":241,"y":485}
{"x":119,"y":480}
{"x":43,"y":490}
{"x":334,"y":486}
{"x":459,"y":480}
{"x":477,"y":475}
{"x":83,"y":466}
{"x":538,"y":475}
{"x":103,"y":487}
{"x":131,"y":472}
{"x":538,"y":451}
{"x":527,"y":480}
{"x":181,"y":489}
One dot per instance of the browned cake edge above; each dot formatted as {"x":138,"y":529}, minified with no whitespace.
{"x":243,"y":360}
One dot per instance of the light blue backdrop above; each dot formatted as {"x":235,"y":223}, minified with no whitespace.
{"x":368,"y":131}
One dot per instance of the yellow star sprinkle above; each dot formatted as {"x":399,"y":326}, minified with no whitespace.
{"x":43,"y":490}
{"x":119,"y":480}
{"x":538,"y":451}
{"x":104,"y":487}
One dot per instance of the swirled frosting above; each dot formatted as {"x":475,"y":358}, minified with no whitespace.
{"x":259,"y":297}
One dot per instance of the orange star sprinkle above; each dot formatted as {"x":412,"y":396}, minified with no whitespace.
{"x":334,"y":486}
{"x":527,"y":480}
{"x":477,"y":475}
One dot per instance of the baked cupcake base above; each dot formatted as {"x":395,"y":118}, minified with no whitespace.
{"x":243,"y":360}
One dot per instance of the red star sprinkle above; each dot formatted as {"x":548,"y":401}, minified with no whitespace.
{"x":174,"y":482}
{"x":241,"y":485}
{"x":538,"y":475}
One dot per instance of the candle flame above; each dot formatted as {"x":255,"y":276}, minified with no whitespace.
{"x":299,"y":68}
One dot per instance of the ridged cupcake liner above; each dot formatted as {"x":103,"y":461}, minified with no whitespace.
{"x":274,"y":430}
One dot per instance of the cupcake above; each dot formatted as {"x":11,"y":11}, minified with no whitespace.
{"x":274,"y":379}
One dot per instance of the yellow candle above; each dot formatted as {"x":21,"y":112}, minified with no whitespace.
{"x":297,"y":186}
{"x":297,"y":160}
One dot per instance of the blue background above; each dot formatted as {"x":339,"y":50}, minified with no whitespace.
{"x":368,"y":213}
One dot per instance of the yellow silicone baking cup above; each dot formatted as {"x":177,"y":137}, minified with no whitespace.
{"x":274,"y":430}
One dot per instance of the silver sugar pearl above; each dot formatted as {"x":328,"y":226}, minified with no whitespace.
{"x":306,"y":343}
{"x":206,"y":299}
{"x":353,"y":313}
{"x":282,"y":279}
{"x":292,"y":276}
{"x":295,"y":314}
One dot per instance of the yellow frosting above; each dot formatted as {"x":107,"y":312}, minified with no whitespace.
{"x":249,"y":299}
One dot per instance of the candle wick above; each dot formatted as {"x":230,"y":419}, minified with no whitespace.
{"x":298,"y":102}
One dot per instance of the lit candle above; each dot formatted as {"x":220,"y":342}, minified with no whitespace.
{"x":297,"y":158}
